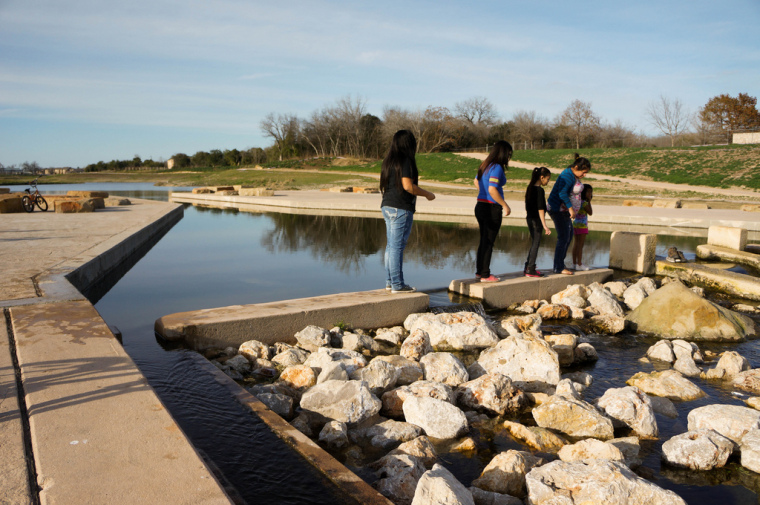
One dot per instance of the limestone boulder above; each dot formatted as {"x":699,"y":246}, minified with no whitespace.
{"x":630,"y":448}
{"x":730,"y":364}
{"x":392,"y":336}
{"x":662,"y":351}
{"x":617,"y":288}
{"x":351,"y":360}
{"x":350,"y":402}
{"x":280,"y":404}
{"x":253,"y":349}
{"x":535,"y":437}
{"x":239,"y":363}
{"x":443,"y":367}
{"x":517,"y":325}
{"x":421,"y":448}
{"x":608,"y":324}
{"x":291,"y":356}
{"x":332,"y":371}
{"x":483,"y":497}
{"x":631,"y":406}
{"x":493,"y":393}
{"x":459,"y":331}
{"x":663,"y":406}
{"x":589,"y":449}
{"x":393,"y":401}
{"x":386,"y":434}
{"x":298,"y":377}
{"x":313,"y":337}
{"x":702,"y":449}
{"x":584,"y":353}
{"x":668,"y":384}
{"x":597,"y":481}
{"x":438,"y":418}
{"x":605,"y":302}
{"x":634,"y":295}
{"x":749,"y":380}
{"x":416,"y":345}
{"x":572,"y":291}
{"x":354,"y":342}
{"x":334,"y":435}
{"x":554,"y":311}
{"x":576,"y":418}
{"x":379,"y":375}
{"x":568,"y":389}
{"x":409,"y":371}
{"x":731,"y":421}
{"x":647,"y":284}
{"x":529,"y":361}
{"x":438,"y":486}
{"x":506,"y":472}
{"x":750,"y":450}
{"x":674,"y":311}
{"x":398,"y":475}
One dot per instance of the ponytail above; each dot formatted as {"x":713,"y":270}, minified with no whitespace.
{"x":581,"y":163}
{"x":538,"y":172}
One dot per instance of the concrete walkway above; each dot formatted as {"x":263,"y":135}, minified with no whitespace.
{"x":78,"y":421}
{"x":449,"y":208}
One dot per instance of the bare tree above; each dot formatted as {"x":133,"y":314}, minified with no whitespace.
{"x":669,"y":116}
{"x":527,"y":128}
{"x":580,"y":120}
{"x":477,"y":111}
{"x":283,"y":129}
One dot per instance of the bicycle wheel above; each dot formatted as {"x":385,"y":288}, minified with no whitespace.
{"x":28,"y":204}
{"x":42,"y":203}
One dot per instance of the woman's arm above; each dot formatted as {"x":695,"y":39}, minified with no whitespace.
{"x":494,"y":192}
{"x":542,"y":216}
{"x":589,"y":210}
{"x":477,"y":184}
{"x":412,"y":188}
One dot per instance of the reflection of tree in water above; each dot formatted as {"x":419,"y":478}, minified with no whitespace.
{"x":347,"y":241}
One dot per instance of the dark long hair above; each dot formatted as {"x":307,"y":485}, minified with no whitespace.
{"x":538,"y":172}
{"x":500,"y":154}
{"x":581,"y":163}
{"x":403,"y":148}
{"x":585,"y":190}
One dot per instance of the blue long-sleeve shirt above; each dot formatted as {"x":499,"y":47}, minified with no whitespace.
{"x":560,"y":194}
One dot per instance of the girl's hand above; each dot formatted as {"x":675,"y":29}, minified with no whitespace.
{"x":430,"y":196}
{"x":572,"y":213}
{"x":507,"y":210}
{"x":547,"y":231}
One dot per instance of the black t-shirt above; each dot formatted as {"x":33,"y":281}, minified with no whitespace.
{"x":535,"y":201}
{"x":395,"y":195}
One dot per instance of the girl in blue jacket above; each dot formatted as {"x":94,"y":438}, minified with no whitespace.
{"x":560,"y":207}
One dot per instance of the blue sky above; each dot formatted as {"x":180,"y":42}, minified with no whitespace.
{"x":89,"y":80}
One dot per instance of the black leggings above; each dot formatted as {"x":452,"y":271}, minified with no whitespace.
{"x":536,"y":233}
{"x":489,"y":217}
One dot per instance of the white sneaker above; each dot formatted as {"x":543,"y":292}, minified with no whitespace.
{"x":583,"y":268}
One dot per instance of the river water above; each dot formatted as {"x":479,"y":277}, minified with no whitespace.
{"x":214,"y":258}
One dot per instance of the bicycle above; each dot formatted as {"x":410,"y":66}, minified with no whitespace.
{"x":34,"y":198}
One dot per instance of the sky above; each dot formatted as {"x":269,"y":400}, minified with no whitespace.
{"x":88,"y":80}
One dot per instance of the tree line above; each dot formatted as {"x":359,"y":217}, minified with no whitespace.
{"x":346,"y":129}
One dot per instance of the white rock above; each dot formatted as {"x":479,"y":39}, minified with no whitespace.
{"x":392,"y":336}
{"x":443,"y":367}
{"x":529,"y":361}
{"x":292,"y":356}
{"x":313,"y":337}
{"x":647,"y":284}
{"x":750,"y":449}
{"x":494,"y":393}
{"x":253,"y":349}
{"x":589,"y":449}
{"x":699,"y":450}
{"x":505,"y":473}
{"x":617,"y":288}
{"x":333,"y":370}
{"x":662,"y":351}
{"x":633,"y":296}
{"x":416,"y":345}
{"x":387,"y":433}
{"x":483,"y":497}
{"x":573,"y":417}
{"x":730,"y":364}
{"x":457,"y":331}
{"x":239,"y":363}
{"x":350,"y":402}
{"x":631,"y":406}
{"x":605,"y":302}
{"x":731,"y":421}
{"x":380,"y":376}
{"x":517,"y":325}
{"x":668,"y":384}
{"x":334,"y":434}
{"x":438,"y":486}
{"x":351,"y":359}
{"x":567,"y":389}
{"x":409,"y":371}
{"x":399,"y":474}
{"x":439,"y":419}
{"x":393,"y":401}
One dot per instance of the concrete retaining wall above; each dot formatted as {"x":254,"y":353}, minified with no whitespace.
{"x":747,"y":138}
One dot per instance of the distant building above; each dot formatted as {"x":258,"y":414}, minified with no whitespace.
{"x":170,"y":164}
{"x":746,"y":138}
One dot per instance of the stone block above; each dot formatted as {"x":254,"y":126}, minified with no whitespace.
{"x":97,"y":203}
{"x":634,"y":252}
{"x":11,"y":203}
{"x":115,"y":202}
{"x":638,"y":203}
{"x":750,"y":207}
{"x":202,"y":191}
{"x":88,"y":194}
{"x":217,"y":189}
{"x":256,"y":192}
{"x":227,"y":192}
{"x":661,"y":203}
{"x":695,"y":206}
{"x":5,"y":191}
{"x":73,"y":206}
{"x":726,"y":236}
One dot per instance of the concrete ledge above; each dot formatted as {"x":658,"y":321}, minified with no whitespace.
{"x":348,"y":482}
{"x":743,"y":286}
{"x":280,"y":321}
{"x":515,"y":287}
{"x":714,"y":252}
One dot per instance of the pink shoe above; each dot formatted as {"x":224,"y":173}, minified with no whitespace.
{"x":490,"y":278}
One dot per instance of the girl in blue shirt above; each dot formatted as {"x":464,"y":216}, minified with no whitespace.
{"x":491,"y":206}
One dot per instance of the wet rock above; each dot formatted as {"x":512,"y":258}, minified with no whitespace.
{"x":393,"y":336}
{"x":416,"y":345}
{"x":553,"y":311}
{"x":573,"y":417}
{"x":630,"y":447}
{"x":466,"y":445}
{"x":567,"y":389}
{"x":535,"y":437}
{"x":398,"y":476}
{"x":350,"y":402}
{"x":280,"y":404}
{"x":454,"y":332}
{"x":608,"y":324}
{"x":505,"y":473}
{"x":663,"y":406}
{"x":731,"y":421}
{"x":332,"y":371}
{"x":662,"y":351}
{"x":673,"y":311}
{"x":583,"y":378}
{"x":298,"y":377}
{"x":573,"y":290}
{"x":334,"y":435}
{"x":443,"y":367}
{"x":598,"y":481}
{"x":564,"y":345}
{"x":749,"y":380}
{"x":313,"y":337}
{"x":585,"y":352}
{"x":634,"y":295}
{"x":438,"y":418}
{"x":753,"y":402}
{"x":750,"y":450}
{"x":380,"y":376}
{"x":632,"y":407}
{"x":688,"y":350}
{"x":292,"y":356}
{"x":351,"y":360}
{"x":605,"y":302}
{"x":590,"y":449}
{"x":408,"y":371}
{"x":529,"y":361}
{"x":483,"y":497}
{"x":702,"y":449}
{"x":239,"y":363}
{"x":303,"y":424}
{"x":730,"y":364}
{"x":493,"y":393}
{"x":516,"y":325}
{"x":386,"y":434}
{"x":253,"y":349}
{"x":668,"y":384}
{"x":421,"y":448}
{"x":393,"y":400}
{"x":439,"y":486}
{"x":685,"y":365}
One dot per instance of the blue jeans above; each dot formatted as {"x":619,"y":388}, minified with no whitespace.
{"x":564,"y":226}
{"x":398,"y":226}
